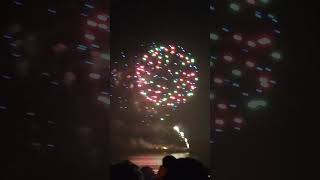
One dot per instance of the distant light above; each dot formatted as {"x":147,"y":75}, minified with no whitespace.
{"x":235,"y":84}
{"x":54,"y":83}
{"x":103,"y":26}
{"x":211,"y":95}
{"x":250,"y":64}
{"x":104,"y":99}
{"x":211,"y":64}
{"x":228,"y":58}
{"x":82,"y":47}
{"x":238,"y":120}
{"x":190,"y":94}
{"x":225,"y":29}
{"x":95,"y":76}
{"x":222,"y":106}
{"x":105,"y":56}
{"x":235,"y":7}
{"x":251,"y":44}
{"x":236,"y":72}
{"x":271,"y":16}
{"x":95,"y":46}
{"x":258,"y":14}
{"x":255,"y":104}
{"x":52,"y":11}
{"x":259,"y":68}
{"x":268,"y":69}
{"x":237,"y":37}
{"x":91,"y":23}
{"x":277,"y":31}
{"x":89,"y":6}
{"x":50,"y":145}
{"x":233,"y":105}
{"x":273,"y":82}
{"x":276,"y":55}
{"x":102,"y":17}
{"x":259,"y":90}
{"x":219,"y":122}
{"x":264,"y":82}
{"x":214,"y":36}
{"x":245,"y":94}
{"x":264,"y":41}
{"x":90,"y":37}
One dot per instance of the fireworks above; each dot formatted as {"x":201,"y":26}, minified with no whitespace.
{"x":95,"y":48}
{"x":154,"y":84}
{"x":167,"y":76}
{"x":244,"y":58}
{"x":86,"y":60}
{"x":181,"y":135}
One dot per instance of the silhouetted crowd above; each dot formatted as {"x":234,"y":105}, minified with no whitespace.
{"x":171,"y":169}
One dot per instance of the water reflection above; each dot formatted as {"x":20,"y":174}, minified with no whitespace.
{"x":153,"y":160}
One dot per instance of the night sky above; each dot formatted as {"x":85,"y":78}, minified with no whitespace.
{"x":170,"y":22}
{"x":57,"y":130}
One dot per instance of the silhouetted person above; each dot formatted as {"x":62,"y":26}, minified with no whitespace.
{"x":148,"y":173}
{"x":125,"y":170}
{"x":187,"y":168}
{"x":168,"y":162}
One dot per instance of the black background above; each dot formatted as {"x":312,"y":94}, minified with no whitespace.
{"x":288,"y":152}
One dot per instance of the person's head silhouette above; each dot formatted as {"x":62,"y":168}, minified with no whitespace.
{"x":125,"y":170}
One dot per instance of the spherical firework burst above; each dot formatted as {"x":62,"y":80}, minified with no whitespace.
{"x":166,"y":75}
{"x":166,"y":69}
